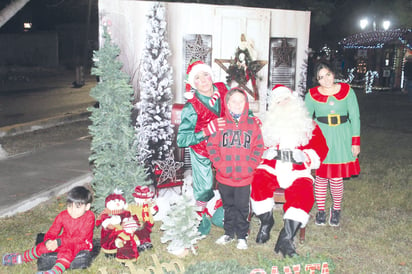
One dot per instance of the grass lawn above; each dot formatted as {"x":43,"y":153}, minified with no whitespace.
{"x":374,"y":236}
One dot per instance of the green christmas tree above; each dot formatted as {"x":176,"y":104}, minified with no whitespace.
{"x":180,"y":226}
{"x":113,"y":148}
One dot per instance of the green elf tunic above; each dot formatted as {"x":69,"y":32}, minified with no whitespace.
{"x":190,"y":135}
{"x":338,"y":117}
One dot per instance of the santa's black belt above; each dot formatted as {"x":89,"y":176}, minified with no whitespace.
{"x":333,"y":119}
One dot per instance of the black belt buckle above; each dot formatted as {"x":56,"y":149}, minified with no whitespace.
{"x":286,"y":155}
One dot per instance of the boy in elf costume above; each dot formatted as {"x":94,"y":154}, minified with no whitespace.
{"x":71,"y":232}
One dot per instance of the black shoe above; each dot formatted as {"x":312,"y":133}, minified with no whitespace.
{"x":334,"y":217}
{"x":320,"y":218}
{"x":285,"y":243}
{"x":266,"y":224}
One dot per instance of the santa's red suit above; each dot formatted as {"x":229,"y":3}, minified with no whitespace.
{"x":295,"y":178}
{"x":295,"y":146}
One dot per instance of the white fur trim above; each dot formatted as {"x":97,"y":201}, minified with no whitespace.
{"x":260,"y":207}
{"x":314,"y":158}
{"x":268,"y":168}
{"x":195,"y":70}
{"x":298,"y":215}
{"x":188,"y":95}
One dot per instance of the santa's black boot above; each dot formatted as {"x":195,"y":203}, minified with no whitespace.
{"x":285,"y":240}
{"x":266,"y":224}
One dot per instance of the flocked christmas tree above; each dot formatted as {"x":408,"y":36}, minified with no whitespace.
{"x":154,"y":131}
{"x":113,"y":152}
{"x":180,"y":226}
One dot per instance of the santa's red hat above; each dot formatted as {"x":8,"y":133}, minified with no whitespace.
{"x":281,"y":90}
{"x":116,"y":195}
{"x":193,"y":69}
{"x":143,"y":192}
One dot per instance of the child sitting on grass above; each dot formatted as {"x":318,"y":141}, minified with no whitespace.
{"x":71,"y":232}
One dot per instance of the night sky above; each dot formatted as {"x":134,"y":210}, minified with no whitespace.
{"x":329,"y":24}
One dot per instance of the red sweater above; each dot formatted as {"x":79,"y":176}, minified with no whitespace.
{"x":237,"y":150}
{"x":74,"y":231}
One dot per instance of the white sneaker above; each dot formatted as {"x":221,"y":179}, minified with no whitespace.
{"x":241,"y":244}
{"x":225,"y":239}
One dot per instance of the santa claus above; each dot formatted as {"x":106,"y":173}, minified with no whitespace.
{"x":295,"y":145}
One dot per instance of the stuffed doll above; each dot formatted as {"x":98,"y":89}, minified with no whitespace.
{"x":143,"y":210}
{"x":127,"y":242}
{"x":111,"y":219}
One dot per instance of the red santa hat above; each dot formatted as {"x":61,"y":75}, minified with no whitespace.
{"x":193,"y":69}
{"x":281,"y":91}
{"x":143,"y":192}
{"x":116,"y":195}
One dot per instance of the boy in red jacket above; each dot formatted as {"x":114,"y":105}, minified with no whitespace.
{"x":235,"y":152}
{"x":71,"y":232}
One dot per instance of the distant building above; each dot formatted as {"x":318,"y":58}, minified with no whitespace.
{"x":380,"y":51}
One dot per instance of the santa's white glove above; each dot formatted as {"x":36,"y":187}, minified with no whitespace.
{"x":270,"y":153}
{"x":299,"y":156}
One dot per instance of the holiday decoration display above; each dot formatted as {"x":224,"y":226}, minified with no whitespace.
{"x":127,"y":241}
{"x":284,"y":53}
{"x":282,"y":62}
{"x":180,"y":227}
{"x":198,"y":48}
{"x":244,"y":66}
{"x":113,"y":150}
{"x":349,"y":77}
{"x":166,"y":170}
{"x":369,"y":79}
{"x":110,"y":219}
{"x":142,"y":210}
{"x":375,"y":39}
{"x":154,"y":132}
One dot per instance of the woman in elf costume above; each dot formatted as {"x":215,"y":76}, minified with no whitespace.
{"x":335,"y":109}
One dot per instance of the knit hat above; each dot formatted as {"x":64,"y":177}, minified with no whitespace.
{"x":129,"y":223}
{"x":193,"y":69}
{"x":143,"y":192}
{"x":116,"y":195}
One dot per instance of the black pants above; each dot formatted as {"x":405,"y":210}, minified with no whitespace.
{"x":236,"y":207}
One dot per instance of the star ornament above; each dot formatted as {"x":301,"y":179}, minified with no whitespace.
{"x":167,"y":168}
{"x":197,"y":49}
{"x":283,"y":53}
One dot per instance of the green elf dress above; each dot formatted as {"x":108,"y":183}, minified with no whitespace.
{"x":338,"y":118}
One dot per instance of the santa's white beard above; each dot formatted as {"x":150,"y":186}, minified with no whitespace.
{"x":288,"y":125}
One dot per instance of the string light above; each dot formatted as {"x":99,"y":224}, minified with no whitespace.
{"x":375,"y":39}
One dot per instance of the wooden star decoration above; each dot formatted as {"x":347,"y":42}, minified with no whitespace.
{"x":168,"y":168}
{"x":257,"y":65}
{"x":197,"y":49}
{"x":283,"y":53}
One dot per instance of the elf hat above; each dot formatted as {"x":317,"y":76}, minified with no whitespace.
{"x":116,"y":195}
{"x":143,"y":192}
{"x":129,"y":223}
{"x":193,"y":69}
